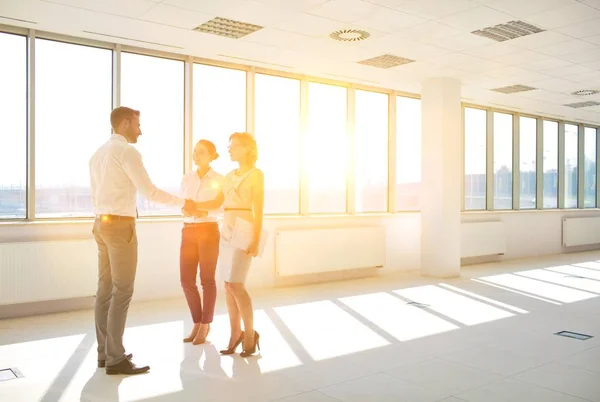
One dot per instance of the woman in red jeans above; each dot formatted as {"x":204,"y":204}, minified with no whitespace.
{"x":200,"y":239}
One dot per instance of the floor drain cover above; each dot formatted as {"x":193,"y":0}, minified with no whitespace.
{"x":9,"y":374}
{"x":574,"y":335}
{"x":419,"y":305}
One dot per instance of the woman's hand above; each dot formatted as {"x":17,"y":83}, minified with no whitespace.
{"x":252,"y":251}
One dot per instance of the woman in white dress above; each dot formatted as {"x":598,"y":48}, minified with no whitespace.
{"x":243,"y":189}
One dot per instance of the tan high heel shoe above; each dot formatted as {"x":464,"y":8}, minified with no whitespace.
{"x":231,"y":350}
{"x":252,"y":350}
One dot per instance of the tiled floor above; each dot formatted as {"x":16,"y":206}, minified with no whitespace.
{"x":485,"y":337}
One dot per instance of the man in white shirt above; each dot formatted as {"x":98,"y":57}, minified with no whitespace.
{"x":117,"y":173}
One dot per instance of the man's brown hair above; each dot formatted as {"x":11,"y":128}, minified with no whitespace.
{"x":122,"y":113}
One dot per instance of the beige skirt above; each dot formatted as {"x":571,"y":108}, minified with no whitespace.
{"x":234,"y":263}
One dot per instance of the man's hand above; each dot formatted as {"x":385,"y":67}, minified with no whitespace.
{"x":190,"y":209}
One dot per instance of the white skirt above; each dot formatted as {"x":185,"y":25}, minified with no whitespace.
{"x":234,"y":263}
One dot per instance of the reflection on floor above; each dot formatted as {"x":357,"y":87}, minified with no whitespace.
{"x":485,"y":337}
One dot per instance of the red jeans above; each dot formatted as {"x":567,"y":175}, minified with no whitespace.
{"x":199,"y":248}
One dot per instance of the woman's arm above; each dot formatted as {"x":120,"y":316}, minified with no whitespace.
{"x":258,"y":204}
{"x":212,"y":204}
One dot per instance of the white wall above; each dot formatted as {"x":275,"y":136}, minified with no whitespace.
{"x":529,"y":234}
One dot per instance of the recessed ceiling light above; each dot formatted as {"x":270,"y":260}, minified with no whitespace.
{"x":386,"y":61}
{"x":508,"y":31}
{"x":349,"y":35}
{"x":585,"y":92}
{"x":227,"y":28}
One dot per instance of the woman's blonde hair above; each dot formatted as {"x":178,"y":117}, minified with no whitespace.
{"x":247,"y":140}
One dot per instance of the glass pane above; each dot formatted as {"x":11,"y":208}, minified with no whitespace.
{"x":475,"y":159}
{"x":571,"y":151}
{"x":550,"y":164}
{"x":503,"y":153}
{"x":219,"y":109}
{"x":73,"y":101}
{"x":326,"y":148}
{"x":154,"y":86}
{"x":408,"y":154}
{"x":13,"y":126}
{"x":371,"y":151}
{"x":277,"y":126}
{"x":590,"y":168}
{"x":527,"y":162}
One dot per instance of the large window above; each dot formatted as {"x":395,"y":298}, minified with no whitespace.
{"x":475,"y":159}
{"x":13,"y":126}
{"x":550,"y":164}
{"x":277,"y":127}
{"x":73,"y":100}
{"x":571,"y":165}
{"x":370,"y":151}
{"x":326,"y":148}
{"x":503,"y":153}
{"x":219,"y":109}
{"x":590,"y":168}
{"x":408,"y":154}
{"x":527,"y":162}
{"x":154,"y":86}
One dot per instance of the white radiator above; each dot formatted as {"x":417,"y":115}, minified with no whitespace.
{"x":40,"y":271}
{"x":482,"y":239}
{"x":580,"y":231}
{"x":302,"y":252}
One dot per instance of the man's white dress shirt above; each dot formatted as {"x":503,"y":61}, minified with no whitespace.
{"x":117,"y":173}
{"x":202,"y":189}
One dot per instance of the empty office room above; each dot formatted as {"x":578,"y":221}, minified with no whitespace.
{"x":299,"y":200}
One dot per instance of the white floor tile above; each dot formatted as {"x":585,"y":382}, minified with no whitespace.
{"x":375,"y":348}
{"x":447,"y":377}
{"x":509,"y":390}
{"x":382,"y":388}
{"x":567,"y":379}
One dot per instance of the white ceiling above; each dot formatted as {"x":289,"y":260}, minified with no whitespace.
{"x":435,"y":33}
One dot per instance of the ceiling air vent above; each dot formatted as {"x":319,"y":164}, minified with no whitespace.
{"x":513,"y":89}
{"x":578,"y":105}
{"x":227,"y":28}
{"x":349,"y":35}
{"x":585,"y":92}
{"x":508,"y":31}
{"x":386,"y":61}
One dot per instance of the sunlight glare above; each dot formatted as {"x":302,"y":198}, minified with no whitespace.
{"x":392,"y":315}
{"x":485,"y":299}
{"x":326,"y":331}
{"x":454,"y":306}
{"x":548,"y":290}
{"x":561,"y":279}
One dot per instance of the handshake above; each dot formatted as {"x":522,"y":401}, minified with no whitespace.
{"x":190,"y":208}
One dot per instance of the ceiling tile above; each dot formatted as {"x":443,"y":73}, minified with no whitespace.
{"x":205,"y":6}
{"x":563,"y":16}
{"x":459,"y":42}
{"x":549,"y":63}
{"x":481,"y":66}
{"x":130,"y":8}
{"x":386,"y":20}
{"x":475,"y":18}
{"x":397,"y":45}
{"x":454,"y":59}
{"x":566,"y":48}
{"x":312,"y":25}
{"x":592,"y":64}
{"x":494,"y":50}
{"x":582,"y":29}
{"x":434,"y":9}
{"x":593,"y":39}
{"x":591,"y":3}
{"x":569,"y":72}
{"x":520,"y":8}
{"x":520,"y":57}
{"x":385,"y":3}
{"x":515,"y":73}
{"x":429,"y":29}
{"x":557,"y":85}
{"x":297,"y":5}
{"x":583,"y":57}
{"x":538,"y":40}
{"x":347,"y":10}
{"x":175,"y":16}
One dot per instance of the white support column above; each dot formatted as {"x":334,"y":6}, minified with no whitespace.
{"x":441,"y":178}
